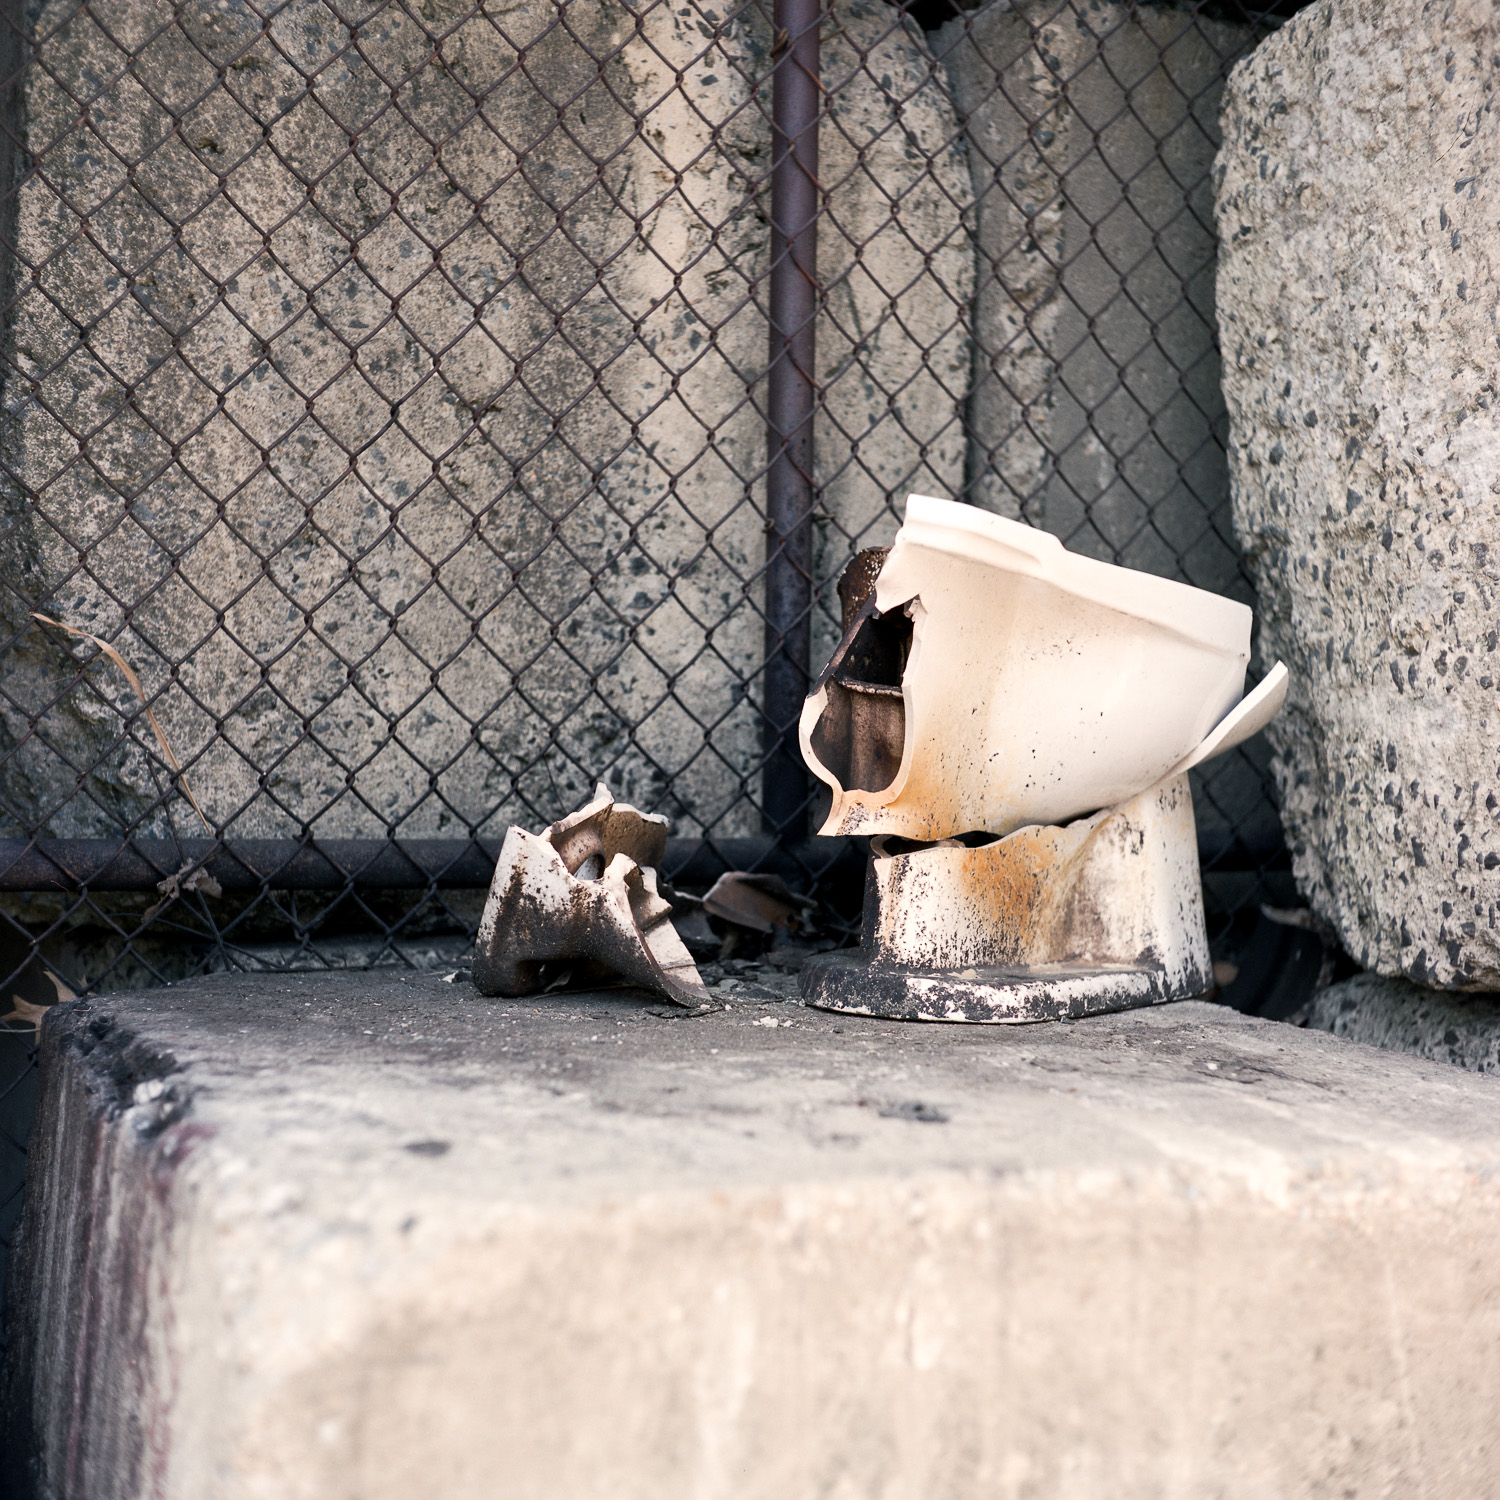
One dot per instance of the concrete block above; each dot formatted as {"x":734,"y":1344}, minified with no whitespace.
{"x":1407,"y":1017}
{"x":369,"y":1237}
{"x":1357,"y":209}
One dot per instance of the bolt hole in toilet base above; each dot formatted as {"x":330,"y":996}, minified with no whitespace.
{"x":1034,"y":686}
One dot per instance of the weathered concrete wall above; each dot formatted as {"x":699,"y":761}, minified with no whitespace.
{"x":1096,"y":410}
{"x":896,"y":261}
{"x":409,"y":405}
{"x":365,"y":1238}
{"x":1092,"y":131}
{"x":1357,"y":212}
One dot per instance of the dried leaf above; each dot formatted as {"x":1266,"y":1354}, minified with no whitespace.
{"x":25,"y":1013}
{"x":135,"y":683}
{"x":174,"y":885}
{"x":199,"y":880}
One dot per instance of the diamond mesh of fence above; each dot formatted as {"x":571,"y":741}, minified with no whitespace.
{"x":415,"y":412}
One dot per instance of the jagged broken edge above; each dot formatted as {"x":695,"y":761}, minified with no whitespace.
{"x":626,"y":889}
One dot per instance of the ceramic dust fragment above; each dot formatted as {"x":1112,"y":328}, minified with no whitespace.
{"x":584,"y":893}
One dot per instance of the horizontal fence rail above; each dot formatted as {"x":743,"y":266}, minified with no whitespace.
{"x":417,"y":864}
{"x":366,"y":864}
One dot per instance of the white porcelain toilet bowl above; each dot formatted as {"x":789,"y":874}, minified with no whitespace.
{"x":1038,"y":685}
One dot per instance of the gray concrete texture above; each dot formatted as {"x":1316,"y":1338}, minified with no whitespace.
{"x":1357,"y":211}
{"x":358,"y":1237}
{"x":1096,"y":409}
{"x":391,"y":396}
{"x":1463,"y":1030}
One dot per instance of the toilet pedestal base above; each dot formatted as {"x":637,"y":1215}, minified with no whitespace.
{"x":856,"y":983}
{"x":1099,"y":915}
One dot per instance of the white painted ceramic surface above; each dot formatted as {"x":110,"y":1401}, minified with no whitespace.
{"x":1042,"y":685}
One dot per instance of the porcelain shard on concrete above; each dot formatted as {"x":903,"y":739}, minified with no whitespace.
{"x":580,"y":899}
{"x":1357,"y":208}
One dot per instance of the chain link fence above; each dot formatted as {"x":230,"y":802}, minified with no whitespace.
{"x":415,"y":412}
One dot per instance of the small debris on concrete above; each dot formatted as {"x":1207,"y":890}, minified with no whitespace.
{"x":752,"y":981}
{"x":763,"y":903}
{"x":789,"y":958}
{"x":584,"y":892}
{"x":913,"y":1109}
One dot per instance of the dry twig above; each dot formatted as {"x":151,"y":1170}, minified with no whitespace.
{"x":135,"y":683}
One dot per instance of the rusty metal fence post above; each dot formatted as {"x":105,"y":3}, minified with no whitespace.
{"x":791,"y":402}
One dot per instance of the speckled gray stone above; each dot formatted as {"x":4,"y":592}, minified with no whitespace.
{"x":1358,"y":205}
{"x":416,"y":410}
{"x":1404,"y":1017}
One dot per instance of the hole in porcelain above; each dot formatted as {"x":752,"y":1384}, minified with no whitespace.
{"x":884,"y":845}
{"x":861,"y":732}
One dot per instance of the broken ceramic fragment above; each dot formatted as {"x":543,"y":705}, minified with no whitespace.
{"x":584,"y":892}
{"x":757,"y":901}
{"x":1013,"y":724}
{"x":991,"y":679}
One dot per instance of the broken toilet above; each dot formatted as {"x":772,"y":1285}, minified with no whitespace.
{"x":1012,"y":724}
